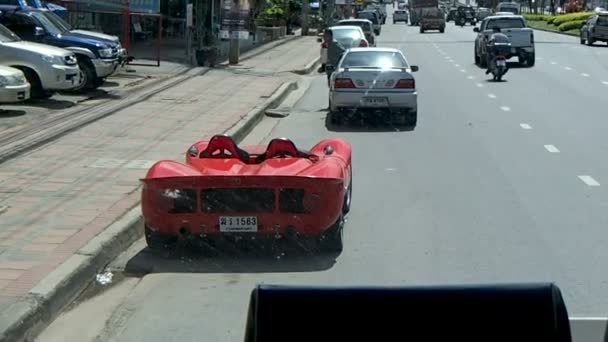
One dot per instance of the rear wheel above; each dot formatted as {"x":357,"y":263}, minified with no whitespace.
{"x":331,"y":240}
{"x":442,"y":30}
{"x":421,"y":30}
{"x":348,"y":197}
{"x":157,"y":242}
{"x":590,"y":41}
{"x":530,"y":60}
{"x":88,"y":74}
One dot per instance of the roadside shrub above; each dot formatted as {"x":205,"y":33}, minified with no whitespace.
{"x":534,"y":17}
{"x":560,"y":19}
{"x":551,"y":19}
{"x":571,"y":25}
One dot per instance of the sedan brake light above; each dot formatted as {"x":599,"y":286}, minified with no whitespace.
{"x":363,"y":43}
{"x":343,"y":83}
{"x":406,"y":84}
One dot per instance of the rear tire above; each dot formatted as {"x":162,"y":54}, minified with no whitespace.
{"x":530,"y":60}
{"x":590,"y":41}
{"x":159,"y":243}
{"x":442,"y":30}
{"x":331,"y":240}
{"x":348,"y":197}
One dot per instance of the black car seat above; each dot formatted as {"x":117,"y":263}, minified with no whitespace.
{"x":511,"y":312}
{"x":222,"y":146}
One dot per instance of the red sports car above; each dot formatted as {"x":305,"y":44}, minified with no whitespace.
{"x":225,"y":192}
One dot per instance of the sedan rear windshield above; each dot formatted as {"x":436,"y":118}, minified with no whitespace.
{"x":346,"y":34}
{"x":505,"y":23}
{"x":369,"y":16}
{"x":374,"y":59}
{"x":366,"y":27}
{"x":602,"y":20}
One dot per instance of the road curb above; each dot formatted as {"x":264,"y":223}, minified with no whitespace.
{"x":556,"y":32}
{"x":25,"y":319}
{"x":309,"y":67}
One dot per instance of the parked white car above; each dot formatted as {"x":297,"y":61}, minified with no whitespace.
{"x":13,"y":85}
{"x":46,"y":68}
{"x":371,"y":80}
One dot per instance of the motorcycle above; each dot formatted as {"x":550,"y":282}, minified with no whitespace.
{"x":498,"y":66}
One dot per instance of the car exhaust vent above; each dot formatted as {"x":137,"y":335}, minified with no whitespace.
{"x":291,"y":201}
{"x":238,"y":200}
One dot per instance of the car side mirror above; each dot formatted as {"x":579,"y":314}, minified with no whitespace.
{"x":38,"y":31}
{"x":414,"y":68}
{"x":476,"y":29}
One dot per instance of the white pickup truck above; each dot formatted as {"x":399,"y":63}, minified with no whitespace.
{"x":514,"y":26}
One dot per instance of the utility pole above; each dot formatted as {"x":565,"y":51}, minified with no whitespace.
{"x":233,"y":55}
{"x":305,"y":10}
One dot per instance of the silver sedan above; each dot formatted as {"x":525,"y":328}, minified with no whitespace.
{"x":374,"y":80}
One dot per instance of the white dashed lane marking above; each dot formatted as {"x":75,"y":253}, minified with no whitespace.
{"x":551,"y":149}
{"x":457,"y":65}
{"x":568,"y":68}
{"x":552,"y":62}
{"x":492,"y":96}
{"x":605,"y":82}
{"x":585,"y":74}
{"x":505,"y":108}
{"x":589,"y":180}
{"x":479,"y":85}
{"x":525,"y":126}
{"x":470,"y":77}
{"x":462,"y":70}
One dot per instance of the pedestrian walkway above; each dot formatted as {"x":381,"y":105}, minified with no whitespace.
{"x":54,"y":199}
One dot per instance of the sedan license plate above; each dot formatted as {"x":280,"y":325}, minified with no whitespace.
{"x":501,"y":62}
{"x":238,"y":224}
{"x":374,"y":102}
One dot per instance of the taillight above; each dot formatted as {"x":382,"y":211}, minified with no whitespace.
{"x":343,"y":83}
{"x":406,"y":84}
{"x":363,"y":43}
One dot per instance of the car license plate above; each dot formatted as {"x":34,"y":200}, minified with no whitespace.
{"x":501,"y":62}
{"x":238,"y":224}
{"x":375,"y":101}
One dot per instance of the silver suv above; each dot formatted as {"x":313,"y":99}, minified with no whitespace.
{"x":46,"y":68}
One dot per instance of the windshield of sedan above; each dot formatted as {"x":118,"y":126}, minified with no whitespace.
{"x":365,"y":26}
{"x":346,"y":33}
{"x":505,"y":23}
{"x":7,"y":36}
{"x":369,"y":16}
{"x":48,"y":24}
{"x":374,"y":59}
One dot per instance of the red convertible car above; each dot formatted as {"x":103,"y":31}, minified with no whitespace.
{"x":226,"y":192}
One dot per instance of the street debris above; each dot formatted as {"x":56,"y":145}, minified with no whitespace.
{"x":104,"y":278}
{"x":280,"y":112}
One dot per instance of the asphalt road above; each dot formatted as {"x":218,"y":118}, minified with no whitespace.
{"x":499,"y":182}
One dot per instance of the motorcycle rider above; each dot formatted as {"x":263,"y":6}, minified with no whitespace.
{"x":334,"y":51}
{"x":492,"y":50}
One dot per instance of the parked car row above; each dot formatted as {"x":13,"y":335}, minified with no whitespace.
{"x":42,"y":54}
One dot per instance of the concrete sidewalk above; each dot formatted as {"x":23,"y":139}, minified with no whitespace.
{"x":55,"y":199}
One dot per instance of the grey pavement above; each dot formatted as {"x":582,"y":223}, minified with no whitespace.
{"x":499,"y":182}
{"x":57,"y":197}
